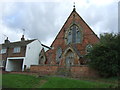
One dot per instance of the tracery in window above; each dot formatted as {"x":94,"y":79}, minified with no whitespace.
{"x":73,"y":35}
{"x":69,"y":38}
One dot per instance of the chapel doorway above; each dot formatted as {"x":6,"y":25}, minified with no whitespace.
{"x":69,"y":59}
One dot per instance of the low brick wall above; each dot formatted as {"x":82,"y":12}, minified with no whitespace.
{"x":83,"y":71}
{"x":44,"y":69}
{"x":75,"y":71}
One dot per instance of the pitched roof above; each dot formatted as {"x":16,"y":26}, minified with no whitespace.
{"x":19,"y":43}
{"x":74,"y":11}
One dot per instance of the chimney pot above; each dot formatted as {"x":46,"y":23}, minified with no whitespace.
{"x":22,"y":39}
{"x":6,"y":41}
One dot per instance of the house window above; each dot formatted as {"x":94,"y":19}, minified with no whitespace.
{"x":58,"y":54}
{"x":2,"y":51}
{"x":88,"y":48}
{"x":16,"y":50}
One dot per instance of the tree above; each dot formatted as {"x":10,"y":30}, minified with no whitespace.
{"x":105,"y":55}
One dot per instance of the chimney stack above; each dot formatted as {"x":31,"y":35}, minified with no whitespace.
{"x":6,"y":41}
{"x":22,"y":39}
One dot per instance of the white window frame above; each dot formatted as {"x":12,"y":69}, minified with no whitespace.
{"x":16,"y":50}
{"x":3,"y":50}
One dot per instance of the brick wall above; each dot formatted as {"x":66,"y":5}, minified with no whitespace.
{"x":83,"y":71}
{"x":44,"y":69}
{"x":75,"y":71}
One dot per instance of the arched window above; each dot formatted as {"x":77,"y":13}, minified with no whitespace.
{"x":58,"y":54}
{"x":73,"y":35}
{"x":88,"y":48}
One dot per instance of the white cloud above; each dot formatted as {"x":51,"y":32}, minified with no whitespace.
{"x":43,"y":20}
{"x":7,"y":32}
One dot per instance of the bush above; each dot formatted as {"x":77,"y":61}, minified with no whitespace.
{"x":105,"y":56}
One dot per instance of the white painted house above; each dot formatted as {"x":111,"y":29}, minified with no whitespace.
{"x":19,"y":56}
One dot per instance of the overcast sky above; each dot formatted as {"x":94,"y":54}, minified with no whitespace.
{"x":43,"y":20}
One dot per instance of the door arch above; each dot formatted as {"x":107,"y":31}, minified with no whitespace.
{"x":69,"y":58}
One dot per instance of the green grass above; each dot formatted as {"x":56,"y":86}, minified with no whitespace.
{"x":30,"y":81}
{"x":58,"y":82}
{"x":19,"y":81}
{"x":0,"y":80}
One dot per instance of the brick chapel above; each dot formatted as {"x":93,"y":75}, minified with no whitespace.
{"x":73,"y":42}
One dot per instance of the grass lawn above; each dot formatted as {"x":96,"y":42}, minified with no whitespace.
{"x":30,"y":81}
{"x":0,"y":80}
{"x":19,"y":81}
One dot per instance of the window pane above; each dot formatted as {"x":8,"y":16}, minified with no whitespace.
{"x":74,"y":34}
{"x":69,"y":39}
{"x":16,"y":50}
{"x":78,"y":36}
{"x":2,"y":51}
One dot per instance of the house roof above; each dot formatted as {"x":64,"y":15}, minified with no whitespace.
{"x":18,"y":43}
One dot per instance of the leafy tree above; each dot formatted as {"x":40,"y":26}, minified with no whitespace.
{"x":105,"y":55}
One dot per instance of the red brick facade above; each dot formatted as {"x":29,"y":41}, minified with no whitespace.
{"x":69,"y":57}
{"x":88,"y":37}
{"x":10,"y":53}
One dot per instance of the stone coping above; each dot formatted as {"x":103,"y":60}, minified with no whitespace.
{"x":59,"y":65}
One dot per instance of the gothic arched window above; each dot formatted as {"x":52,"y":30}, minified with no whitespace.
{"x":73,"y":34}
{"x":58,"y":54}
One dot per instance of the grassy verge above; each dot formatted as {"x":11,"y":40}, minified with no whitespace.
{"x":112,"y":80}
{"x":0,"y":80}
{"x":29,"y":81}
{"x":19,"y":81}
{"x":58,"y":82}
